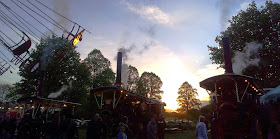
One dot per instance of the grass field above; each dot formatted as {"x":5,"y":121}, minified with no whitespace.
{"x":186,"y":134}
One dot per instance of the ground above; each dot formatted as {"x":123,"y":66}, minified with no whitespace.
{"x":186,"y":134}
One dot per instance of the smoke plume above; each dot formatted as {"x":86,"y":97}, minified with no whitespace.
{"x":126,"y":51}
{"x":248,"y":56}
{"x":59,"y":92}
{"x":46,"y":56}
{"x":48,"y":52}
{"x":149,"y":30}
{"x":124,"y":75}
{"x":226,"y":6}
{"x":62,"y":7}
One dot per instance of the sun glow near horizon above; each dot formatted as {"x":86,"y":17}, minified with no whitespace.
{"x":173,"y":71}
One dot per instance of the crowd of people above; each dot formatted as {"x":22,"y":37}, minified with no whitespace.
{"x":153,"y":130}
{"x":59,"y":127}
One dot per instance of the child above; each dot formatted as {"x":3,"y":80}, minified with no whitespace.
{"x":121,"y":134}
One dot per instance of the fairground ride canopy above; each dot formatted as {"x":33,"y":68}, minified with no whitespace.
{"x":46,"y":102}
{"x":114,"y":94}
{"x":231,"y":81}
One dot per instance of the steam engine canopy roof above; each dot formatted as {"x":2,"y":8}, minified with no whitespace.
{"x":108,"y":92}
{"x":229,"y":81}
{"x":46,"y":102}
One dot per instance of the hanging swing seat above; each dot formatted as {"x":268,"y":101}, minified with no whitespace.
{"x":20,"y":50}
{"x":77,"y":36}
{"x":21,"y":47}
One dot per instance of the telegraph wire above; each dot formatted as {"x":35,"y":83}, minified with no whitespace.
{"x":47,"y":16}
{"x":5,"y":17}
{"x":61,"y":15}
{"x":6,"y":35}
{"x":3,"y":40}
{"x":15,"y":27}
{"x":7,"y":60}
{"x":9,"y":26}
{"x":60,"y":27}
{"x":33,"y":34}
{"x":34,"y":17}
{"x":17,"y":15}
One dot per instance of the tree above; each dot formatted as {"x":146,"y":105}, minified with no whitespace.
{"x":187,"y":97}
{"x":5,"y":90}
{"x":101,"y":75}
{"x":149,"y":84}
{"x":133,"y":78}
{"x":62,"y":65}
{"x":100,"y":69}
{"x":259,"y":25}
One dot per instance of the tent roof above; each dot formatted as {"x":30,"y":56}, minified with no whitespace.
{"x":273,"y":94}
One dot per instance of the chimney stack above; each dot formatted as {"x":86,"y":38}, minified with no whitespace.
{"x":119,"y":69}
{"x":227,"y":55}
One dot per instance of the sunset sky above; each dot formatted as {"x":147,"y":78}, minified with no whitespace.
{"x":167,"y":37}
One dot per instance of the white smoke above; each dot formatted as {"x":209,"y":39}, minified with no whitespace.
{"x":248,"y":56}
{"x":60,"y":91}
{"x":124,"y":75}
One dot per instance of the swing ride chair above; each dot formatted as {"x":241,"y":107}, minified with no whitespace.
{"x":37,"y":103}
{"x":19,"y":50}
{"x":77,"y":36}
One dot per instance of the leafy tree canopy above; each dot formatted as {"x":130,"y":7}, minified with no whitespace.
{"x":100,"y":69}
{"x":259,"y":25}
{"x":133,"y":78}
{"x":187,"y":97}
{"x":149,"y":85}
{"x":62,"y":66}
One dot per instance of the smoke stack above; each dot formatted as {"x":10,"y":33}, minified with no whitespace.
{"x":119,"y":69}
{"x":41,"y":83}
{"x":227,"y":55}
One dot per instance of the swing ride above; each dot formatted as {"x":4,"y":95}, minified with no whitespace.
{"x":21,"y":50}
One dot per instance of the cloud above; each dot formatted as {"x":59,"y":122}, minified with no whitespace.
{"x":151,"y":13}
{"x":244,"y":6}
{"x":209,"y":71}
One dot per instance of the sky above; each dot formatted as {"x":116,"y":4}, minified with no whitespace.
{"x":166,"y":37}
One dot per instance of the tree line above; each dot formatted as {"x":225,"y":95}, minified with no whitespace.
{"x":260,"y":25}
{"x":62,"y":66}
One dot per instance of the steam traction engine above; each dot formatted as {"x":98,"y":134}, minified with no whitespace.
{"x":236,"y":112}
